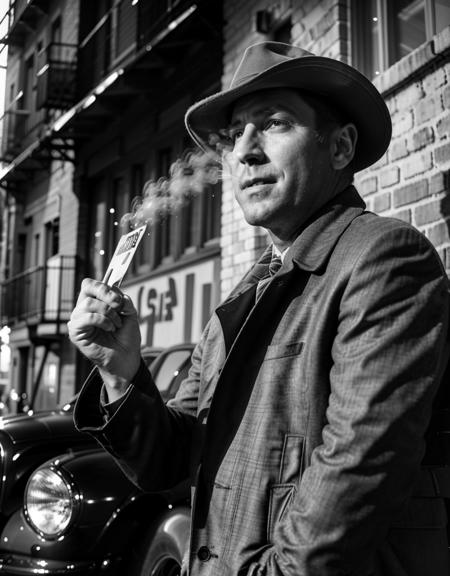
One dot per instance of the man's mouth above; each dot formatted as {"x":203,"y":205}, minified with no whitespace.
{"x":251,"y":182}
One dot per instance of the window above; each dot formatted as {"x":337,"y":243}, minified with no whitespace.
{"x":109,"y":202}
{"x":142,"y":256}
{"x":384,"y":31}
{"x":52,"y":238}
{"x":45,"y":397}
{"x":187,"y":229}
{"x":28,"y":91}
{"x":119,"y":207}
{"x":55,"y":38}
{"x":212,"y":212}
{"x":21,"y":252}
{"x":98,"y":243}
{"x":55,"y":31}
{"x":12,"y":93}
{"x":9,"y":241}
{"x":37,"y":248}
{"x":163,"y":227}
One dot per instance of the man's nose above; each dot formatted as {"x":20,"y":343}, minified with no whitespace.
{"x":248,"y":148}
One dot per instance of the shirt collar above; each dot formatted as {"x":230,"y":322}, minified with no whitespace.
{"x":277,"y":252}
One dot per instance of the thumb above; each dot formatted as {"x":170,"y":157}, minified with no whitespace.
{"x":128,"y":308}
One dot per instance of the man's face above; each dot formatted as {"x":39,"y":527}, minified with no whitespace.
{"x":282,"y":173}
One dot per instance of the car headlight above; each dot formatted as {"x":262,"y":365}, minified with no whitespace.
{"x":49,"y":502}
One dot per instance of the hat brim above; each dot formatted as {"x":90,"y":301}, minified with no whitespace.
{"x":341,"y":85}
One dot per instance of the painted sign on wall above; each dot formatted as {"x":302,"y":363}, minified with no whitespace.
{"x":175,"y":307}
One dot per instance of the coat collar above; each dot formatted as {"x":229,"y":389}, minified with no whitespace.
{"x":312,"y":248}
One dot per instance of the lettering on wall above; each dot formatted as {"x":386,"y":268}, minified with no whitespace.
{"x":175,"y":307}
{"x":159,"y":306}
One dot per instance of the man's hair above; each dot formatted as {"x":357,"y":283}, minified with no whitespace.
{"x":327,"y":115}
{"x":327,"y":118}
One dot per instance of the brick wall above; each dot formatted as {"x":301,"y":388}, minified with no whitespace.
{"x":412,"y":180}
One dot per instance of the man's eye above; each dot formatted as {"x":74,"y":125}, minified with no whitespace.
{"x":235,"y":134}
{"x":275,"y":123}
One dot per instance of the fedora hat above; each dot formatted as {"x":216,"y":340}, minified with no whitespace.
{"x":278,"y":65}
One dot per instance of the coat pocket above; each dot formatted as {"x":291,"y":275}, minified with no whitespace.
{"x":283,"y":350}
{"x":282,"y":494}
{"x":291,"y":459}
{"x":280,"y":498}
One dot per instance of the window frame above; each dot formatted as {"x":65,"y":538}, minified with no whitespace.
{"x":385,"y":45}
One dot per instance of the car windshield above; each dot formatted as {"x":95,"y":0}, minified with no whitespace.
{"x":170,"y":368}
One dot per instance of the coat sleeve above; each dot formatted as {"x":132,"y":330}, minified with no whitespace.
{"x":150,"y":441}
{"x":387,"y":358}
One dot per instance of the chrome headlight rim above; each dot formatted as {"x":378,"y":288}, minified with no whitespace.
{"x":73,"y":495}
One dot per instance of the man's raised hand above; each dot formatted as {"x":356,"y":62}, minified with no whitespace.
{"x":104,"y":327}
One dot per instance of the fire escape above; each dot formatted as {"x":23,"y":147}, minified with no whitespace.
{"x":136,"y":48}
{"x":38,"y":298}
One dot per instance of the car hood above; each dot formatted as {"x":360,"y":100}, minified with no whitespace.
{"x":37,"y":427}
{"x":26,"y":441}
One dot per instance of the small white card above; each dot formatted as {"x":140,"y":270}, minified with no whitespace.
{"x":125,"y":249}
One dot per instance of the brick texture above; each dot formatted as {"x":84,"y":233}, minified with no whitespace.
{"x":411,"y":181}
{"x":410,"y":193}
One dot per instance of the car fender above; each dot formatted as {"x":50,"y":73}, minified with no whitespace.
{"x":110,"y":515}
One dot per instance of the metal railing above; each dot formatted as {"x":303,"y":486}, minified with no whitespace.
{"x":56,"y":76}
{"x":41,"y":294}
{"x":20,"y":124}
{"x":125,"y":28}
{"x":13,"y":124}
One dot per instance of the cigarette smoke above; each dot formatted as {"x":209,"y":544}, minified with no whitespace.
{"x":189,"y":176}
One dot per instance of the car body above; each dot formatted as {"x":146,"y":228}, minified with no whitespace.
{"x":66,"y":506}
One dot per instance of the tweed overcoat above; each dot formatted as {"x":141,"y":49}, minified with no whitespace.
{"x":302,"y":421}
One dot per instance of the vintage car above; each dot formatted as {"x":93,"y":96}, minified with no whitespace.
{"x":67,"y":508}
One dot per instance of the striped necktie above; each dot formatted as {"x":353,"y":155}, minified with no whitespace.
{"x":274,"y":266}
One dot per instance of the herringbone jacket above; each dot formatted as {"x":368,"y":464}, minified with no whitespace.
{"x":302,"y":421}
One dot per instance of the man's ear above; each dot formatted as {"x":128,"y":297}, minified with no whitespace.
{"x":343,"y":145}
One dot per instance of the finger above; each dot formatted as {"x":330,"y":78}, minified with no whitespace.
{"x":128,"y":308}
{"x":93,"y":305}
{"x":86,"y":289}
{"x":119,"y":300}
{"x":94,"y":289}
{"x":84,"y":326}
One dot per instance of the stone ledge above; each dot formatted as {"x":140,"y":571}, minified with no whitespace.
{"x":409,"y":68}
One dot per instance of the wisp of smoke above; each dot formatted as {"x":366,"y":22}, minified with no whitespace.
{"x":189,"y":176}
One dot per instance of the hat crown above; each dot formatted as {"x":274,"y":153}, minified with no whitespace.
{"x":275,"y":65}
{"x":262,"y":56}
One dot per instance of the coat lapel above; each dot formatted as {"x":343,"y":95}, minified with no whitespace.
{"x":234,"y":311}
{"x":244,"y":360}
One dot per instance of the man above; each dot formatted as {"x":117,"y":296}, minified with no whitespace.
{"x":302,"y":421}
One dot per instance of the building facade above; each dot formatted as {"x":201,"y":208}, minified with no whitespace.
{"x":96,"y":95}
{"x":40,"y":211}
{"x":94,"y":144}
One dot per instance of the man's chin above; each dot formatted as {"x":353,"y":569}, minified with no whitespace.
{"x":256,"y":221}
